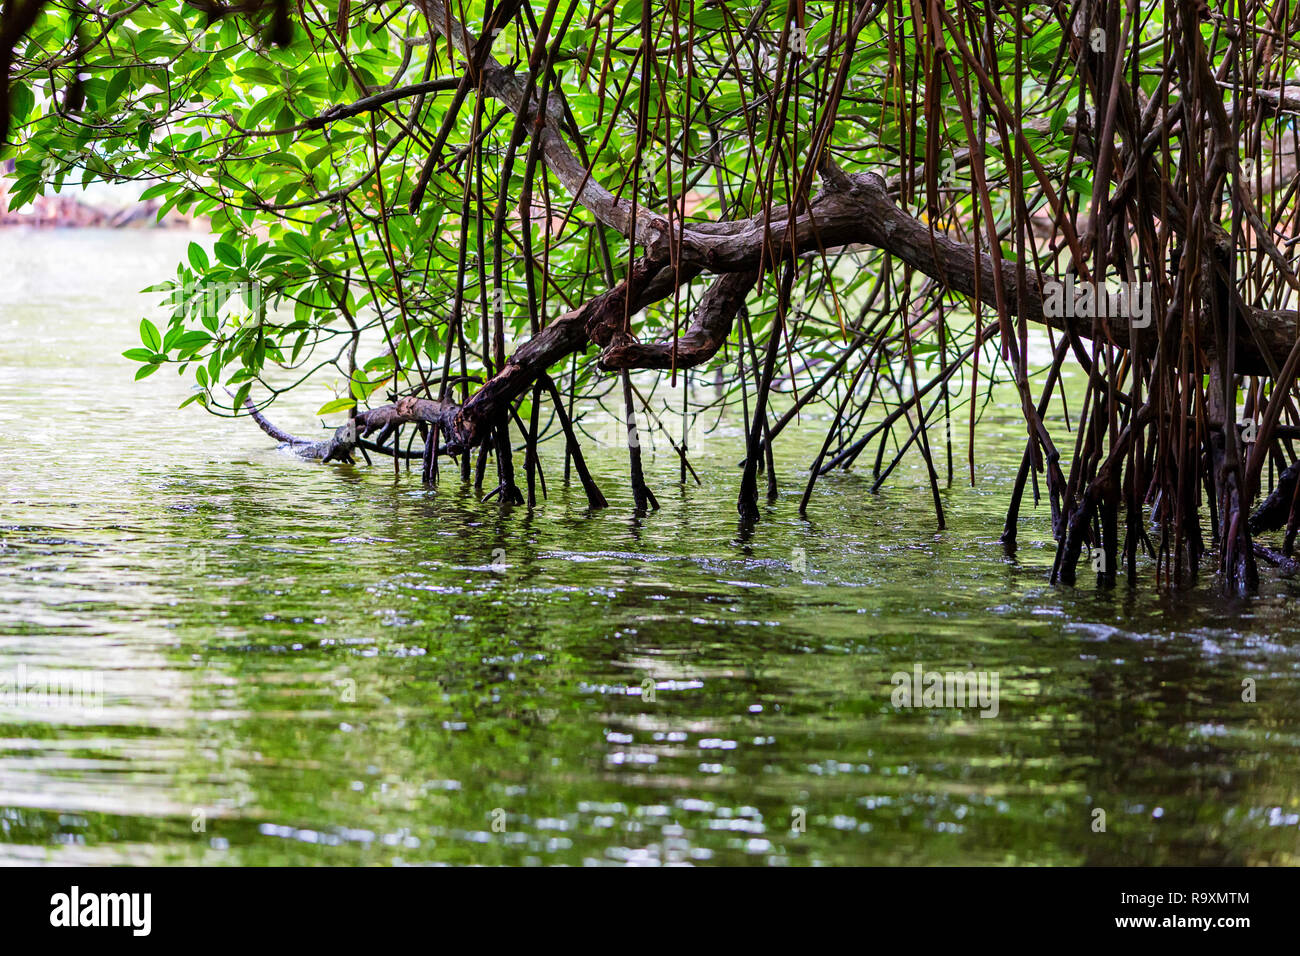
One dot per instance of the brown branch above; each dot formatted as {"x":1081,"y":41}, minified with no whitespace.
{"x":367,"y":103}
{"x":710,"y":325}
{"x":18,"y":16}
{"x":862,"y":213}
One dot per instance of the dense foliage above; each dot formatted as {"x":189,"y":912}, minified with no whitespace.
{"x":221,"y":123}
{"x":403,"y":202}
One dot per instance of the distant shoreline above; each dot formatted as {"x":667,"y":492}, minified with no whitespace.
{"x":99,"y":208}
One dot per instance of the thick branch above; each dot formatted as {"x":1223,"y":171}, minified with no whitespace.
{"x":865,"y":213}
{"x":861,"y":213}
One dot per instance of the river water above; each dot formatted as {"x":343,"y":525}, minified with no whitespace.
{"x":289,"y":663}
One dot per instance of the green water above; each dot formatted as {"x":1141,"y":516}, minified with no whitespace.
{"x":305,"y":664}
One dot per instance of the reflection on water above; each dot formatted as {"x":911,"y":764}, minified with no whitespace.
{"x":305,"y":664}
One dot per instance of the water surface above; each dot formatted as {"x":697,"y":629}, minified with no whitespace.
{"x":305,"y":664}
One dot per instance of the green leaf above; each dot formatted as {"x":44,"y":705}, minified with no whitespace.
{"x":191,"y":340}
{"x":261,"y":110}
{"x":21,"y":102}
{"x":285,"y":120}
{"x":116,"y":86}
{"x":1081,"y":185}
{"x":198,"y":257}
{"x":336,"y":405}
{"x":258,"y":74}
{"x":632,"y":11}
{"x":149,"y":335}
{"x":146,"y":371}
{"x":298,"y":244}
{"x":1058,"y":120}
{"x":227,"y":254}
